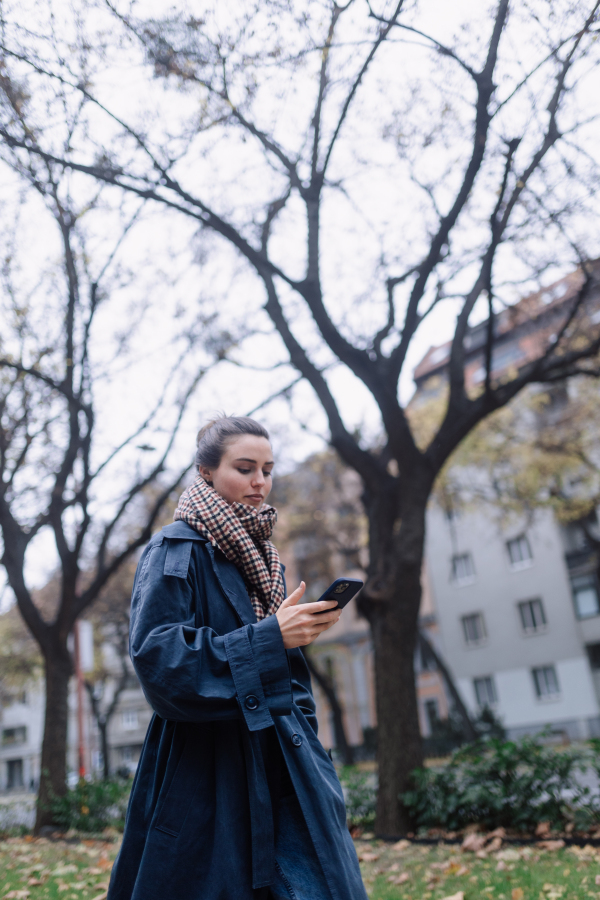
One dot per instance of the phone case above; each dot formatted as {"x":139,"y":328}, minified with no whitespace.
{"x":342,"y":590}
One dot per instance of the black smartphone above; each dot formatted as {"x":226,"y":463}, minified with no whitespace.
{"x":342,"y":590}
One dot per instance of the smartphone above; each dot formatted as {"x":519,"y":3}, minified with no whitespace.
{"x":342,"y":590}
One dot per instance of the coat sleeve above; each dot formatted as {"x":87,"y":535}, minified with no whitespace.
{"x":192,"y":674}
{"x":302,"y":688}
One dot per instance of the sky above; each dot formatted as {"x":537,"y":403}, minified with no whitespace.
{"x":180,"y":276}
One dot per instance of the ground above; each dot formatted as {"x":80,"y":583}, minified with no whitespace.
{"x":40,"y":869}
{"x":406,"y":871}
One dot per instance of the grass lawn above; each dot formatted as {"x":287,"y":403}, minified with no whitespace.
{"x":415,"y":872}
{"x":38,"y":868}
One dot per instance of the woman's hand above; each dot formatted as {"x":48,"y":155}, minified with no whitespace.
{"x":300,"y":625}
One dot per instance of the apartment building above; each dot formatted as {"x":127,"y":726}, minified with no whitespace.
{"x":22,"y":728}
{"x":519,"y":621}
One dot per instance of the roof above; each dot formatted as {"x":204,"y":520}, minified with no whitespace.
{"x":514,"y":328}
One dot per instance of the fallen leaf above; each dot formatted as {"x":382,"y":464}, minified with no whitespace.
{"x":494,"y":845}
{"x":65,"y":870}
{"x":517,"y":894}
{"x":100,"y":896}
{"x":399,"y":879}
{"x":551,"y":845}
{"x":368,"y":857}
{"x":34,"y":882}
{"x":17,"y":895}
{"x":460,"y":895}
{"x":473,"y":842}
{"x":542,"y":829}
{"x":401,"y":845}
{"x":509,"y":855}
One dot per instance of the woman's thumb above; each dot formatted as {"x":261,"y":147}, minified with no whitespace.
{"x":295,"y":596}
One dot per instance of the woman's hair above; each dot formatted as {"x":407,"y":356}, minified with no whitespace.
{"x":214,"y":437}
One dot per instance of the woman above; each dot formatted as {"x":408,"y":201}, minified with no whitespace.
{"x":234,"y":797}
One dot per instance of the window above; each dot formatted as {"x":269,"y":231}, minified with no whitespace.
{"x":432,"y":713}
{"x":129,"y":719}
{"x":532,"y":616}
{"x":474,"y":628}
{"x":593,"y":652}
{"x":14,"y":735}
{"x":14,"y":773}
{"x":485,"y":691}
{"x":546,"y":682}
{"x":463,"y":570}
{"x":585,"y":596}
{"x":519,"y":552}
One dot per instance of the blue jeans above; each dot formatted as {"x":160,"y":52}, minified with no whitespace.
{"x":299,"y":875}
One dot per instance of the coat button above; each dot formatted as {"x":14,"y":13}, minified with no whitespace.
{"x":251,"y":702}
{"x":297,"y":740}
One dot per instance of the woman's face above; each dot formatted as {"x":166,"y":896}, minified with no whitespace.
{"x":244,"y":473}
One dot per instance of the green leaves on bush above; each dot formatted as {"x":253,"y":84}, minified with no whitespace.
{"x":360,"y":793}
{"x":92,"y":806}
{"x":515,"y":784}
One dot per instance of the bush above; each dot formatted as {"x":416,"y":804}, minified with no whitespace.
{"x":514,"y":784}
{"x":360,"y":794}
{"x":92,"y":806}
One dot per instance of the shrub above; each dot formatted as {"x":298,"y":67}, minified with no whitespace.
{"x":360,"y":793}
{"x":92,"y":806}
{"x":515,"y":784}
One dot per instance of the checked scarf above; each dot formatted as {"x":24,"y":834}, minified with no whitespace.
{"x":242,"y":534}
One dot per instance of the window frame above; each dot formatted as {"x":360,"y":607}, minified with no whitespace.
{"x":585,"y":583}
{"x":493,"y":693}
{"x":462,"y":580}
{"x":483,"y":636}
{"x":519,"y":564}
{"x":133,"y":716}
{"x":545,"y":696}
{"x":533,"y":628}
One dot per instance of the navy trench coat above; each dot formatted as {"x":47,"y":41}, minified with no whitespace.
{"x":200,"y":820}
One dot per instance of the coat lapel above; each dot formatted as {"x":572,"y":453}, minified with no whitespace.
{"x":232,"y":585}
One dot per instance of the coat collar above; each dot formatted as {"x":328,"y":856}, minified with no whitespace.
{"x":232,"y":585}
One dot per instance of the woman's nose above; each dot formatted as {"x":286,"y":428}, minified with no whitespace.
{"x":258,"y":480}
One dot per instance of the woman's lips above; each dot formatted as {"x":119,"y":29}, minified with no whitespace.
{"x":254,"y":496}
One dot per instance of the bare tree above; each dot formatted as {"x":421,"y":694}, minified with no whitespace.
{"x":53,"y":476}
{"x":113,"y":672}
{"x":294,"y":110}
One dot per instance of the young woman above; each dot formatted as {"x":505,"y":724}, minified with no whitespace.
{"x":234,"y":797}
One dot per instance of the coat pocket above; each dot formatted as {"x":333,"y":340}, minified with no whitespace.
{"x":176,"y":803}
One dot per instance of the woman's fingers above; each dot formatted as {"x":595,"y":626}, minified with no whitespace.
{"x":294,"y":597}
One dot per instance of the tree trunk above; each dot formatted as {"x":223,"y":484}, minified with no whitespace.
{"x":399,"y":745}
{"x":327,"y":686}
{"x":53,"y":775}
{"x":391,"y":603}
{"x":103,"y":729}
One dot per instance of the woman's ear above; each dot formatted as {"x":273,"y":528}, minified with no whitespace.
{"x":205,"y":473}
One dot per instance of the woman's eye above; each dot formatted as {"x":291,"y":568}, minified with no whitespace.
{"x":267,"y":474}
{"x":244,"y":471}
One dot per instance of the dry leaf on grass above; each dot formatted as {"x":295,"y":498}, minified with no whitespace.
{"x":550,"y":845}
{"x":368,"y":857}
{"x":597,"y":880}
{"x":17,"y":895}
{"x":401,"y":845}
{"x":399,"y":879}
{"x":473,"y":842}
{"x":100,"y":896}
{"x":460,"y":895}
{"x":517,"y":894}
